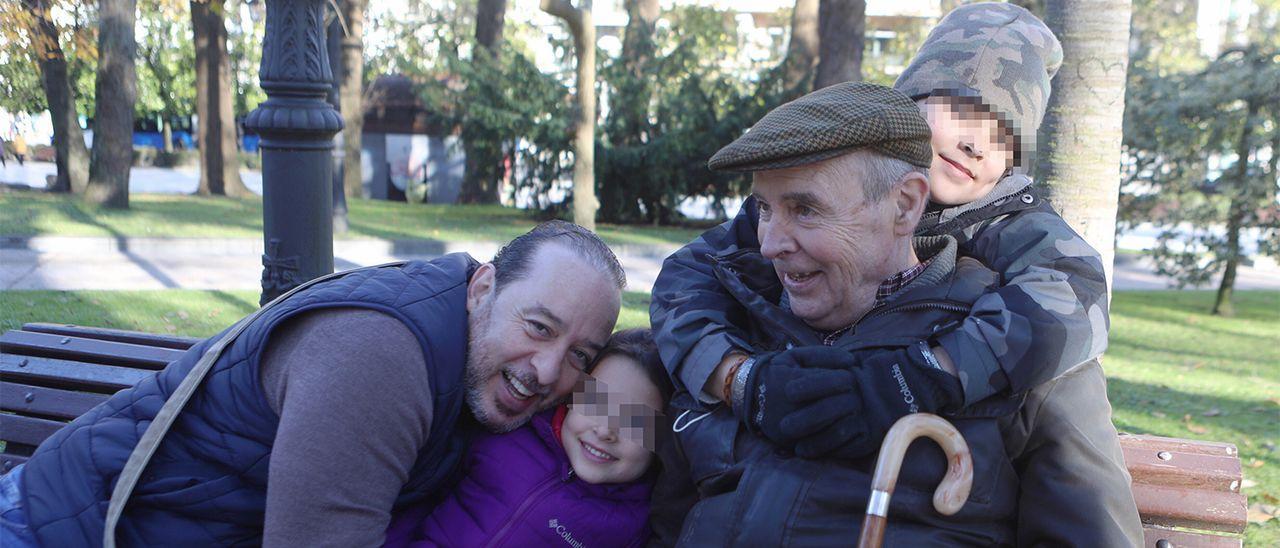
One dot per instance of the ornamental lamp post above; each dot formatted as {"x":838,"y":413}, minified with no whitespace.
{"x":296,"y":125}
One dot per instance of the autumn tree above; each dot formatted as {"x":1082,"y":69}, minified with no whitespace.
{"x":45,"y":44}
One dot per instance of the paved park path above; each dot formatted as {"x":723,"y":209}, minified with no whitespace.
{"x":200,"y":263}
{"x":196,"y":263}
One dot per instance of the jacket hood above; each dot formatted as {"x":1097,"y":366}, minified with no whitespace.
{"x":998,"y":55}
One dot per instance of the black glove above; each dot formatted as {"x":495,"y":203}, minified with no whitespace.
{"x":762,"y":404}
{"x":841,"y":410}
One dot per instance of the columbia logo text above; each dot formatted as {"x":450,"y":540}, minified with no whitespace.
{"x":564,"y":533}
{"x":907,"y":397}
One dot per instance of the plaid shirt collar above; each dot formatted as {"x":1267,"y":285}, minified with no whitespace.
{"x":898,"y":281}
{"x":887,"y":288}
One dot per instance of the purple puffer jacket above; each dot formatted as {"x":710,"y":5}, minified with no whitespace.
{"x":519,"y":490}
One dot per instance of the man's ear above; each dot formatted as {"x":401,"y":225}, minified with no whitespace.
{"x":482,"y":287}
{"x":910,"y":196}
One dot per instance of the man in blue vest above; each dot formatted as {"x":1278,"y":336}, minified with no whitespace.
{"x":333,"y":407}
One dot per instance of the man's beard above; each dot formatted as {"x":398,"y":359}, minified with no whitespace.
{"x":479,"y":369}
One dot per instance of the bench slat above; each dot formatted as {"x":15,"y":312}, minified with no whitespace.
{"x":1184,"y":507}
{"x":116,"y":335}
{"x":1159,"y":443}
{"x":1183,"y":469}
{"x":65,"y":374}
{"x":7,"y":461}
{"x":1153,"y":535}
{"x":38,"y":400}
{"x":88,"y":350}
{"x":27,"y":430}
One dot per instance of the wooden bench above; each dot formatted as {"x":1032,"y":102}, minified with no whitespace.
{"x":1188,"y":492}
{"x":53,"y":373}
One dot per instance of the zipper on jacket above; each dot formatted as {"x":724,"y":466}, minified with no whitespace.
{"x":949,"y":306}
{"x":528,"y":502}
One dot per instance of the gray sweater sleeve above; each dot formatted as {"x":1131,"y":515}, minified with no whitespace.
{"x":351,"y":390}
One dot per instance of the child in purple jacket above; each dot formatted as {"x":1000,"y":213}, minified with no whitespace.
{"x":577,"y":475}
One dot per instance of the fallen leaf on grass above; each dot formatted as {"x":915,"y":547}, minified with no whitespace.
{"x":1158,"y":414}
{"x":1213,"y":412}
{"x":1270,"y":498}
{"x":183,"y":314}
{"x":1248,"y":484}
{"x":1194,"y":429}
{"x":1255,"y":463}
{"x":1261,"y":513}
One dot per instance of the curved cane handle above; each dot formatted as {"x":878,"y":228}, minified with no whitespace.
{"x":952,"y":491}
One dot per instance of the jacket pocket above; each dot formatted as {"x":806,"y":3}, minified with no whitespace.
{"x":706,"y":438}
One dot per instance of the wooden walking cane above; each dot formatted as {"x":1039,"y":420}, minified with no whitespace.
{"x":952,"y":491}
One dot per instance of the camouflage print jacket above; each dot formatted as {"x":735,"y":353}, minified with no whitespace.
{"x":1047,"y":465}
{"x":1047,"y":315}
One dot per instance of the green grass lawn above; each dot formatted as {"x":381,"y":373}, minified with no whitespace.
{"x":167,"y":215}
{"x":1174,"y":370}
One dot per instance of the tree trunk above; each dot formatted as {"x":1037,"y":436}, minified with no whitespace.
{"x":637,"y":53}
{"x":802,"y":48}
{"x":200,"y":44}
{"x":71,"y":155}
{"x":334,"y":39}
{"x":350,"y":94}
{"x":167,"y":135}
{"x":1237,"y":211}
{"x":215,"y":106}
{"x":584,"y":41}
{"x":1080,"y":139}
{"x":220,"y":64}
{"x":114,"y":97}
{"x":490,"y":18}
{"x":480,"y":179}
{"x":841,"y":31}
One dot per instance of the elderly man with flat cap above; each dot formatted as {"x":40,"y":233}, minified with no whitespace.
{"x":841,"y":179}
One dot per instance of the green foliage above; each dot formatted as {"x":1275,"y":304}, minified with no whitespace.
{"x":20,"y":86}
{"x":1203,"y":162}
{"x":245,"y":31}
{"x":166,"y":57}
{"x":506,"y":106}
{"x":694,"y":106}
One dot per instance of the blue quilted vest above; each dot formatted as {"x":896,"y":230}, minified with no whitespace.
{"x":207,"y":482}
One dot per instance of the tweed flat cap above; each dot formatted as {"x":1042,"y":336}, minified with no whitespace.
{"x":827,"y":123}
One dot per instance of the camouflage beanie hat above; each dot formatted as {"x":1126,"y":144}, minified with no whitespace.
{"x":999,"y":54}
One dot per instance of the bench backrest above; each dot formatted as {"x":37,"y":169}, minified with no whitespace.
{"x":1188,"y":492}
{"x":53,"y":373}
